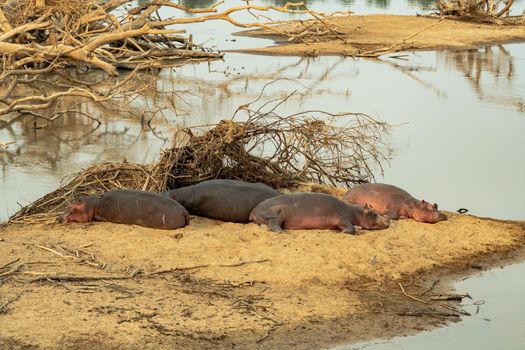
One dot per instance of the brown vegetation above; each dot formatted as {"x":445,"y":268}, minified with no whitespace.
{"x":262,"y":146}
{"x":477,"y":10}
{"x":49,"y":47}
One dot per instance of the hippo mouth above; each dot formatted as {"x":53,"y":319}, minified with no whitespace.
{"x":381,"y":223}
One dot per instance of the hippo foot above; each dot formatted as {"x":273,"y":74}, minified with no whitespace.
{"x":350,"y":231}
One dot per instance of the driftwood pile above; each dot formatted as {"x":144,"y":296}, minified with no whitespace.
{"x":479,"y":10}
{"x":58,"y":51}
{"x":281,"y":151}
{"x":312,"y":146}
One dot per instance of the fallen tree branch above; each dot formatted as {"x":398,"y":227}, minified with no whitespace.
{"x":411,"y":296}
{"x":163,"y":271}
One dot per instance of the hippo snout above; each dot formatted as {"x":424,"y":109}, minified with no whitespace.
{"x":384,"y":221}
{"x":380,"y":222}
{"x":441,"y":217}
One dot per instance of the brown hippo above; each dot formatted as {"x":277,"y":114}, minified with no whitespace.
{"x":315,"y":211}
{"x":221,"y":199}
{"x":128,"y":207}
{"x":394,"y":202}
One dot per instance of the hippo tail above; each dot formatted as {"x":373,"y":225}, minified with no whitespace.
{"x":187,"y":218}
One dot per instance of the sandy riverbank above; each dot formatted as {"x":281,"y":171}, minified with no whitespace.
{"x":379,"y":34}
{"x":232,"y":285}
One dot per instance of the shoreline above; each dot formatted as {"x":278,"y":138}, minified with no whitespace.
{"x":223,"y":285}
{"x":377,"y":35}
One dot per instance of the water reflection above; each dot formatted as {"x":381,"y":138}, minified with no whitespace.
{"x":39,"y":158}
{"x":445,"y":124}
{"x":497,"y":324}
{"x":359,"y":6}
{"x":491,"y":72}
{"x":453,"y":102}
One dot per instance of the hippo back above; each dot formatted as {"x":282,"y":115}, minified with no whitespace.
{"x":223,"y":199}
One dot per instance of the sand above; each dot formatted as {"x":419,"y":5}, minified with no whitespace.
{"x":373,"y":34}
{"x":233,"y":285}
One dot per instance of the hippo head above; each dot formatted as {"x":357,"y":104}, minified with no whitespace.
{"x":425,"y":212}
{"x":370,"y":220}
{"x":81,"y":210}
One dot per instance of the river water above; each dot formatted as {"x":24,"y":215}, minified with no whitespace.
{"x":497,"y":324}
{"x":458,"y":139}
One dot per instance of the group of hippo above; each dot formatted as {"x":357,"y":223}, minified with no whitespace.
{"x":370,"y":206}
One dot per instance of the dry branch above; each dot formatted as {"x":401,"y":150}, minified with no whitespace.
{"x":281,"y":151}
{"x":478,"y":10}
{"x":41,"y":40}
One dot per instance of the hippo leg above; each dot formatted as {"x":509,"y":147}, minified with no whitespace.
{"x":346,"y":226}
{"x":274,"y":224}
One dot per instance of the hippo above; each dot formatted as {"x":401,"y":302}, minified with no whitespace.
{"x":315,"y":211}
{"x":221,"y":199}
{"x":394,"y":202}
{"x":128,"y":207}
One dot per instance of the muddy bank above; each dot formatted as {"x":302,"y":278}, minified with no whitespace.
{"x":224,"y":285}
{"x":374,"y":35}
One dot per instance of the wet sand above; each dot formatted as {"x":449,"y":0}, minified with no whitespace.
{"x":225,"y":285}
{"x":379,"y":34}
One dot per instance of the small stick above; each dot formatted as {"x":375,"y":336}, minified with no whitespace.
{"x":9,"y":263}
{"x":410,"y":296}
{"x":4,"y":307}
{"x":429,"y":289}
{"x":54,"y":252}
{"x":72,"y":278}
{"x":440,"y":297}
{"x":205,"y":265}
{"x":274,"y":327}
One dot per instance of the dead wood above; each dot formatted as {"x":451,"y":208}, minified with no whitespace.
{"x":488,"y":11}
{"x":255,"y":145}
{"x":40,"y":39}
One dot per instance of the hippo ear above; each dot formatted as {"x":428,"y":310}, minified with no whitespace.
{"x":435,"y":205}
{"x":173,"y":196}
{"x":80,"y":205}
{"x":423,"y":201}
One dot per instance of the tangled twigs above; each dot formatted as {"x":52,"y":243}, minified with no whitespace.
{"x":163,"y":271}
{"x":281,"y":151}
{"x":90,"y":260}
{"x":62,"y":277}
{"x":480,"y":10}
{"x":99,"y":178}
{"x":40,"y":40}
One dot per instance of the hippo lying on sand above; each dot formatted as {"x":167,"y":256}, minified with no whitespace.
{"x":394,"y":202}
{"x":315,"y":211}
{"x":128,"y":207}
{"x":226,"y":200}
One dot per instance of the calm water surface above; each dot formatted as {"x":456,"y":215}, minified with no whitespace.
{"x":458,"y":138}
{"x":497,"y":325}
